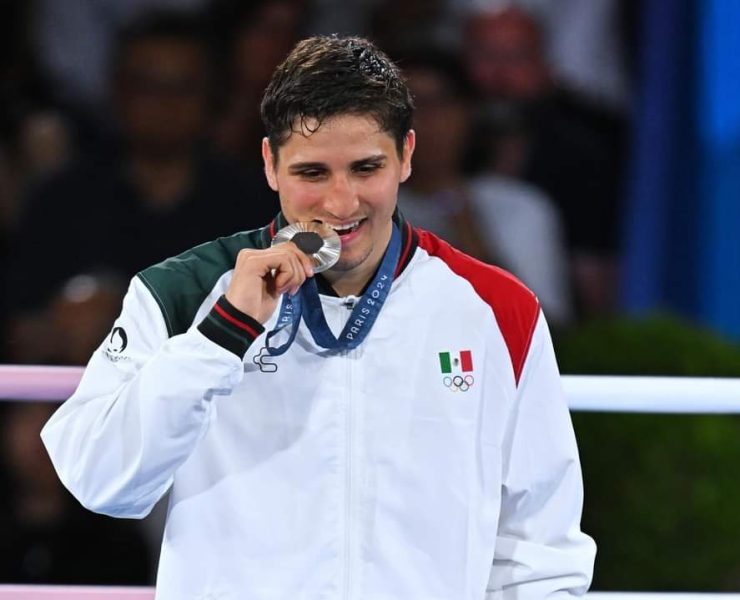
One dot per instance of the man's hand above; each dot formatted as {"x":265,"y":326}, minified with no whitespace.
{"x":262,"y":276}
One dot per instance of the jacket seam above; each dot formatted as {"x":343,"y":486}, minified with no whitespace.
{"x":525,"y":353}
{"x":160,"y":303}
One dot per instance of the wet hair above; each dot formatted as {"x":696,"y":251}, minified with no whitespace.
{"x":328,"y":76}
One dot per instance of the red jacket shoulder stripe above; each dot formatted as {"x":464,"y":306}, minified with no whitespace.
{"x":516,"y":308}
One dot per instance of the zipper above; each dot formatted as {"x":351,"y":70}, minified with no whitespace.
{"x":349,"y":486}
{"x":348,"y":303}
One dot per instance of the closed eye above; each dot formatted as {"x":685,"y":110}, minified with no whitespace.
{"x":311,"y":174}
{"x":367,"y":168}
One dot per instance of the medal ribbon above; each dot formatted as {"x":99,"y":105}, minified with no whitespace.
{"x":307,"y":304}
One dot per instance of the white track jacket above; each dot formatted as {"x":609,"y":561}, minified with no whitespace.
{"x":436,"y":461}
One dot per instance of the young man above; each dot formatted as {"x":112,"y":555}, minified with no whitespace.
{"x":425,"y":454}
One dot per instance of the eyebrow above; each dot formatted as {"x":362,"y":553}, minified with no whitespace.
{"x":375,"y":158}
{"x":297,"y":167}
{"x":294,"y":168}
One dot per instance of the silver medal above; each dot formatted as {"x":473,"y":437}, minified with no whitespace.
{"x":317,"y":240}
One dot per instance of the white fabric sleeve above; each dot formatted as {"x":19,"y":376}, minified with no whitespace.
{"x":540,"y":549}
{"x":142,"y":405}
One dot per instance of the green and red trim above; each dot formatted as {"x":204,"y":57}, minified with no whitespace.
{"x":230,"y":328}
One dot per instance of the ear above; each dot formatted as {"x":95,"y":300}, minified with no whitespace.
{"x":269,"y":162}
{"x":408,"y":150}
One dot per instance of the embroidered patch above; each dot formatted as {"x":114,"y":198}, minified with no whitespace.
{"x":457,"y":370}
{"x":117,"y":343}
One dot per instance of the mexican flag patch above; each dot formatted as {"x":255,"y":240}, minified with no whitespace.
{"x":461,"y":361}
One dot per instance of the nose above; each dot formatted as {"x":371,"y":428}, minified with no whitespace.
{"x":341,"y":200}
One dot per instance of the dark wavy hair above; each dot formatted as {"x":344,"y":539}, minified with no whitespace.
{"x":328,"y":76}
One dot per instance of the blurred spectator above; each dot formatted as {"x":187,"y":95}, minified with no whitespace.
{"x":587,"y":42}
{"x":28,"y":145}
{"x":45,"y":145}
{"x":339,"y":16}
{"x":73,"y":324}
{"x":158,"y":191}
{"x":586,"y":47}
{"x":263,"y":32}
{"x":398,"y":26}
{"x":23,"y":95}
{"x":39,"y":146}
{"x":8,"y":197}
{"x":572,"y":150}
{"x":46,"y":536}
{"x":80,"y":315}
{"x":75,"y":41}
{"x":495,"y":218}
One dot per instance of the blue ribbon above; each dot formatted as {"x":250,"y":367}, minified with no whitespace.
{"x":306,"y":304}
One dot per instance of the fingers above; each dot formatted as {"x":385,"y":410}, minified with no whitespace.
{"x":289,"y":275}
{"x":284,"y":267}
{"x":305,"y":260}
{"x":261,"y":276}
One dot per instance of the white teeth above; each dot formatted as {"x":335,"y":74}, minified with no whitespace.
{"x":345,"y":226}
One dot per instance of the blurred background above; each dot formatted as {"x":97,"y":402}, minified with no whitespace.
{"x":591,"y":147}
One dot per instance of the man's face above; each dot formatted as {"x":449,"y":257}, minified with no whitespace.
{"x":505,"y":56}
{"x":162,"y":94}
{"x":345,"y":174}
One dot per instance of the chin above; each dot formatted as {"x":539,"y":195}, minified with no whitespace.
{"x":349,"y":263}
{"x":343,"y":266}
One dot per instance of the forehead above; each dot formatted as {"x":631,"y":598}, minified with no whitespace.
{"x":342,"y":135}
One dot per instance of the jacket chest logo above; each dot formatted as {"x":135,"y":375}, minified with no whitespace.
{"x":457,"y":370}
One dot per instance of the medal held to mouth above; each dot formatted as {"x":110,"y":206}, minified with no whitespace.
{"x":318,"y":241}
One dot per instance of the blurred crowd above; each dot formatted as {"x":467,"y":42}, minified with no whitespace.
{"x":130,"y":131}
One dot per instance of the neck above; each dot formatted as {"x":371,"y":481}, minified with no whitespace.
{"x":348,"y":283}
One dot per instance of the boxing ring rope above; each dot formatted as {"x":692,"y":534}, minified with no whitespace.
{"x":28,"y":382}
{"x":50,"y":592}
{"x":682,"y":395}
{"x":68,"y":592}
{"x":595,"y":393}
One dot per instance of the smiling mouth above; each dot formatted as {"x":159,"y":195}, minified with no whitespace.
{"x":343,"y":228}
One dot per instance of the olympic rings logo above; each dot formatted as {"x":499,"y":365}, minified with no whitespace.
{"x":458,"y":383}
